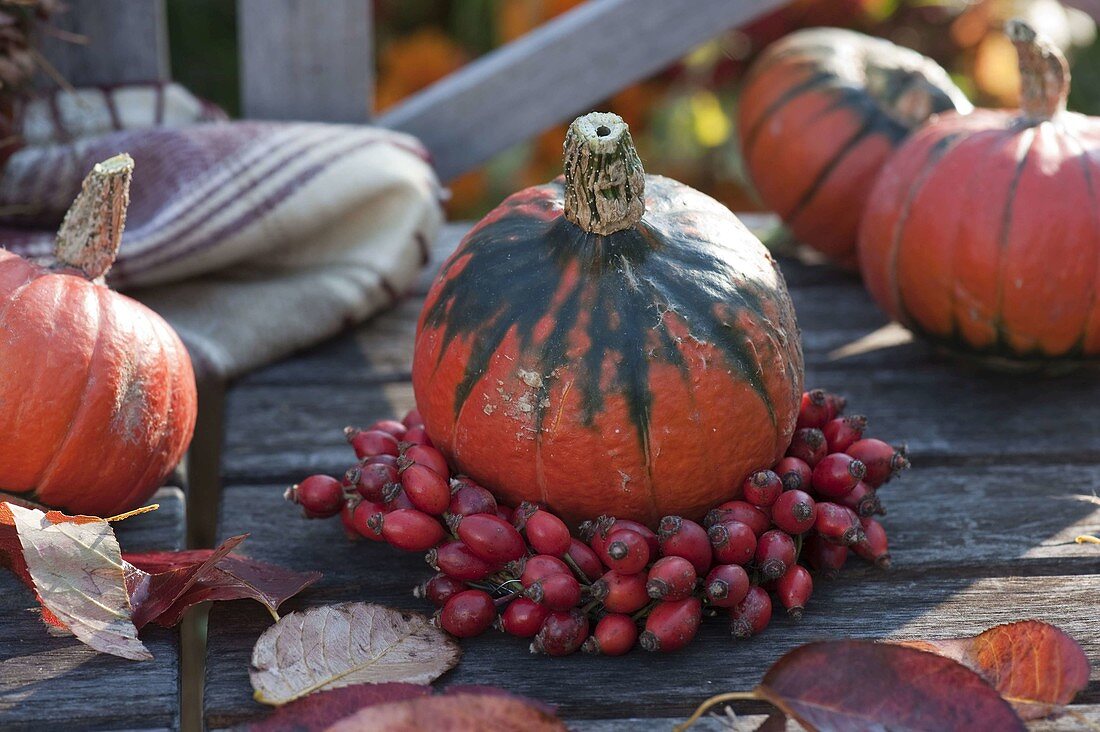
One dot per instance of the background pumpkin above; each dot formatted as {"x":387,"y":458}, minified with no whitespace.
{"x":983,"y":231}
{"x":819,"y":113}
{"x":97,"y":394}
{"x":604,"y":352}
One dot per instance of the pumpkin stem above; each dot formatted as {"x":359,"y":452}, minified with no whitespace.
{"x":604,"y":180}
{"x":91,"y":233}
{"x":1044,"y":73}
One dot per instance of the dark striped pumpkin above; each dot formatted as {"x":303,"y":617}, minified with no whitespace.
{"x":983,"y":231}
{"x":605,"y":350}
{"x":819,"y":113}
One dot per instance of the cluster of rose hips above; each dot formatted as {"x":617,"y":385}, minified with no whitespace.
{"x":617,"y":583}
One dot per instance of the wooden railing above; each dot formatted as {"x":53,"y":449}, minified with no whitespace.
{"x":313,"y":59}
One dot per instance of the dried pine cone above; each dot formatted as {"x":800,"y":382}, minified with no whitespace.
{"x":20,"y":23}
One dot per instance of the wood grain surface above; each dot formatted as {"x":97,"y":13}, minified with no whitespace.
{"x":982,"y":529}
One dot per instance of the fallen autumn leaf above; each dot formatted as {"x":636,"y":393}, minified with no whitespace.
{"x":351,"y":643}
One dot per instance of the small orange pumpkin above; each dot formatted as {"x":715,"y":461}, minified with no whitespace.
{"x":609,"y":343}
{"x":97,"y":394}
{"x":819,"y":113}
{"x":983,"y":231}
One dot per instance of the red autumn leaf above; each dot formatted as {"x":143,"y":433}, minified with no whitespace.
{"x":1037,"y":667}
{"x":322,"y":709}
{"x":859,"y":685}
{"x":84,"y":585}
{"x":183,"y":579}
{"x":460,"y":712}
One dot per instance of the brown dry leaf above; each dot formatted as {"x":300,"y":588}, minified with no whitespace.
{"x":454,"y":712}
{"x":351,"y":643}
{"x":1035,"y":666}
{"x":80,"y":578}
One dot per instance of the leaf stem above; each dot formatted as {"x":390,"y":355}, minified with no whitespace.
{"x":135,"y":512}
{"x":644,"y":611}
{"x":576,"y":569}
{"x":714,"y":700}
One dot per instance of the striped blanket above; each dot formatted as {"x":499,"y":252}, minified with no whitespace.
{"x":254,"y":239}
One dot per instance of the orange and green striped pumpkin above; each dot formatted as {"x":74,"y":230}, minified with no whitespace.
{"x":820,"y":112}
{"x":609,"y":342}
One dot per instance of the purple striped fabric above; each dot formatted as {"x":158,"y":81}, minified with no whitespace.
{"x":215,"y":201}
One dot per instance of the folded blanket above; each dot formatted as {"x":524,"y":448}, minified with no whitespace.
{"x":254,"y":239}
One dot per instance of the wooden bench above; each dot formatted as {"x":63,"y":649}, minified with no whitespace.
{"x":1006,"y":468}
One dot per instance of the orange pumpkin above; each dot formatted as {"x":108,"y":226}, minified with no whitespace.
{"x":609,"y":342}
{"x":819,"y":113}
{"x":983,"y":232}
{"x":97,"y":395}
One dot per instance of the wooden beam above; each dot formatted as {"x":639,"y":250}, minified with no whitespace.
{"x":557,"y":71}
{"x":306,"y":60}
{"x":127,"y":42}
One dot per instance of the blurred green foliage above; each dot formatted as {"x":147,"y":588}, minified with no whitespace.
{"x":202,"y":38}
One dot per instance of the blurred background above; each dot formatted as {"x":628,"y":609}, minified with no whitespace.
{"x":683,"y":118}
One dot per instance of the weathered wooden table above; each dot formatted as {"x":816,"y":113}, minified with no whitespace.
{"x":1006,"y":474}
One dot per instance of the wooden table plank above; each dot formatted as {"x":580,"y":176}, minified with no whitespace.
{"x":906,"y":603}
{"x":58,"y":683}
{"x":945,"y":414}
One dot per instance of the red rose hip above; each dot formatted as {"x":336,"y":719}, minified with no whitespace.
{"x":454,"y":558}
{"x":794,"y":512}
{"x":547,"y":534}
{"x":794,"y":589}
{"x":555,"y":591}
{"x":882,"y":460}
{"x":429,"y":457}
{"x":409,"y":529}
{"x":625,"y":551}
{"x":750,"y":616}
{"x":671,"y":578}
{"x":680,"y":537}
{"x":368,"y":443}
{"x":469,"y":613}
{"x":427,"y":489}
{"x":671,"y":625}
{"x":841,"y":432}
{"x":808,"y":445}
{"x":615,"y":634}
{"x":439,"y":589}
{"x":838,"y":524}
{"x":837,"y":474}
{"x":795,"y":474}
{"x":470,"y":498}
{"x":621,"y":593}
{"x":491,"y":538}
{"x":523,"y":617}
{"x":726,"y":585}
{"x":561,"y":633}
{"x":732,"y":542}
{"x":321,"y":496}
{"x":775,"y":553}
{"x":762,"y":488}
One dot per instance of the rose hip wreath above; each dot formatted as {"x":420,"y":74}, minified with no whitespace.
{"x":619,"y":584}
